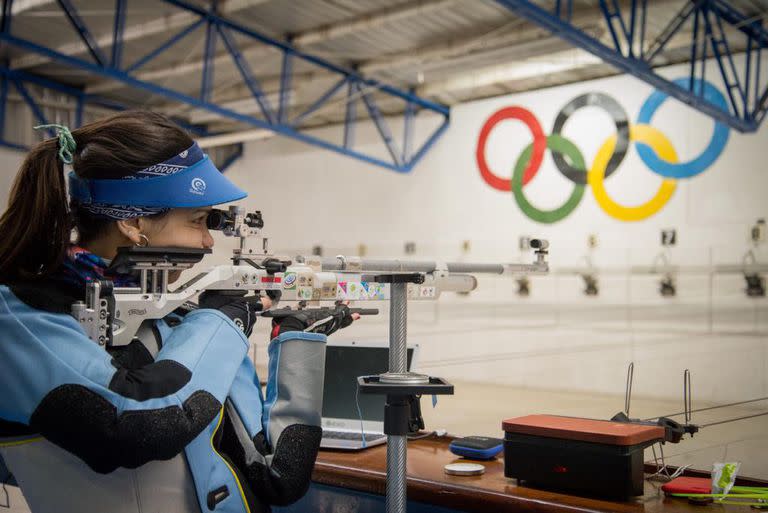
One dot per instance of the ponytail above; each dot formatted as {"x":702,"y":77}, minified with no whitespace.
{"x":35,"y":229}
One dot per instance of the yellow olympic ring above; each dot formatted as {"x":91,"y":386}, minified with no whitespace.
{"x":663,"y":148}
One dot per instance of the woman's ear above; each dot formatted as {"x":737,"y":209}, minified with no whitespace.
{"x":130,"y":228}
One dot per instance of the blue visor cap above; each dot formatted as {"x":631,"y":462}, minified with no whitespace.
{"x":199,"y":185}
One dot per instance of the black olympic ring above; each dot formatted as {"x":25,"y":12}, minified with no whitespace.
{"x":616,"y":111}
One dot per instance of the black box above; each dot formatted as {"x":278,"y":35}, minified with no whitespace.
{"x":577,"y":455}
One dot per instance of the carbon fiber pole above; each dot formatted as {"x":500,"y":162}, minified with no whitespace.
{"x":396,"y":479}
{"x":396,"y":445}
{"x":398,"y":328}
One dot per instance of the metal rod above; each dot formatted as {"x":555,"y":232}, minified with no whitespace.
{"x":321,"y":100}
{"x":286,"y":75}
{"x":350,"y":117}
{"x":428,"y":144}
{"x":712,"y":407}
{"x":337,"y":264}
{"x":397,"y":450}
{"x":117,"y":35}
{"x":33,"y":105}
{"x":397,"y":454}
{"x":5,"y":24}
{"x":208,"y":70}
{"x":398,"y":328}
{"x":733,"y":419}
{"x":408,"y":131}
{"x":628,"y":390}
{"x":381,"y":126}
{"x":643,"y":25}
{"x":247,"y":73}
{"x":632,"y":25}
{"x":609,"y":23}
{"x":83,"y":32}
{"x":687,"y":395}
{"x":164,"y":46}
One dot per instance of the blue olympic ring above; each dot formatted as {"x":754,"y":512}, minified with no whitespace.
{"x":708,"y":156}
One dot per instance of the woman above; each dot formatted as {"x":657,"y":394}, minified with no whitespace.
{"x":174,"y":421}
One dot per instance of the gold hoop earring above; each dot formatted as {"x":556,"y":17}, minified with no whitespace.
{"x":143,"y":241}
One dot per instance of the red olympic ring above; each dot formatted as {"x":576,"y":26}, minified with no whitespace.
{"x":539,"y":146}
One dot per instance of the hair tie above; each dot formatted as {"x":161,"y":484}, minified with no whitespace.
{"x":67,"y":145}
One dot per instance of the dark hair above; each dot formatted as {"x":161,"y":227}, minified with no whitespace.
{"x":36,"y":228}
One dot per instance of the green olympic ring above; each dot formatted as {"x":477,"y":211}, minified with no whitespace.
{"x":555,"y":143}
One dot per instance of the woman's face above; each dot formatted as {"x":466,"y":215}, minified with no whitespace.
{"x":180,"y":228}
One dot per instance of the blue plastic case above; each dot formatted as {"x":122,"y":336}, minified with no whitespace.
{"x":477,"y":447}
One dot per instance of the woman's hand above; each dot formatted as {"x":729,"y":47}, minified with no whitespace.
{"x":314,"y":320}
{"x":234,"y":304}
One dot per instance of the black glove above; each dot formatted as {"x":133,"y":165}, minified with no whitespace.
{"x":314,"y":320}
{"x":233,"y":303}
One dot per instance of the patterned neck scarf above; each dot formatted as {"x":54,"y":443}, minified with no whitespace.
{"x":81,"y":266}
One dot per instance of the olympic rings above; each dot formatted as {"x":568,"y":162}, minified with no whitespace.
{"x":653,"y":147}
{"x":539,"y":145}
{"x":708,"y":156}
{"x":662,"y":146}
{"x":620,"y":119}
{"x":557,"y":144}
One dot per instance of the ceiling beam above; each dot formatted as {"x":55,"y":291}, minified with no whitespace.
{"x":162,"y":25}
{"x":322,"y":34}
{"x":507,"y":38}
{"x":240,"y":100}
{"x":515,"y":32}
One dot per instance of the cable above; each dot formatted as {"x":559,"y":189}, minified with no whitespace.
{"x":360,"y":415}
{"x":424,"y":435}
{"x":711,"y":408}
{"x":733,"y":420}
{"x":5,"y":482}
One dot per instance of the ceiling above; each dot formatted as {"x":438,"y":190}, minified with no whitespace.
{"x":449,"y":51}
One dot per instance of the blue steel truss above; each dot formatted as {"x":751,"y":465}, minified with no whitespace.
{"x":217,"y":28}
{"x":631,"y":53}
{"x":20,"y":80}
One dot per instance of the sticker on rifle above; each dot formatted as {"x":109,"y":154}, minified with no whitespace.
{"x":427,"y":292}
{"x":353,"y":290}
{"x":329,"y":291}
{"x":376,"y":291}
{"x":289,"y":281}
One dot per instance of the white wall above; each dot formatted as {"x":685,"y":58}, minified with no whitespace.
{"x":557,"y":338}
{"x":10,"y":160}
